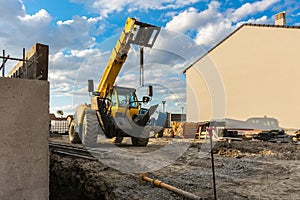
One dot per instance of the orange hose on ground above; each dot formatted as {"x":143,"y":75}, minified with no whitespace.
{"x":159,"y":183}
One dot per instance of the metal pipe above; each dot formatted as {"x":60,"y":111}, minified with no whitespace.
{"x":164,"y":105}
{"x":159,"y":183}
{"x":210,"y":131}
{"x":74,"y":155}
{"x":141,"y":66}
{"x":3,"y":63}
{"x":17,"y":59}
{"x":24,"y":63}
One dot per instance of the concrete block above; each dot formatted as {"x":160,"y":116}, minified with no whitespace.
{"x":24,"y":128}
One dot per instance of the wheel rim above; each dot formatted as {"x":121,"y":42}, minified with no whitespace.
{"x":71,"y":131}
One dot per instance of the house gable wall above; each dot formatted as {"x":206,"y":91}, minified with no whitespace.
{"x":260,"y":68}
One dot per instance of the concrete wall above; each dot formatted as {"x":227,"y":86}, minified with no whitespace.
{"x":24,"y":128}
{"x":259,"y":67}
{"x":38,"y":54}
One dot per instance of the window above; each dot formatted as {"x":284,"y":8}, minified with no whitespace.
{"x":133,"y":100}
{"x":113,"y":98}
{"x":127,"y":97}
{"x":123,"y":100}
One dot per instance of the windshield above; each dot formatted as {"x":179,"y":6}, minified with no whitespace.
{"x":127,"y":97}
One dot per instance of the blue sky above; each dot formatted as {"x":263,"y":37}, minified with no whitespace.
{"x":81,"y":33}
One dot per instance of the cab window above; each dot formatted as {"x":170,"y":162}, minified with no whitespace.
{"x":113,"y":99}
{"x":123,"y":100}
{"x":133,"y":100}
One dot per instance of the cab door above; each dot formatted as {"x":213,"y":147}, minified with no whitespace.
{"x":114,"y":103}
{"x":134,"y":106}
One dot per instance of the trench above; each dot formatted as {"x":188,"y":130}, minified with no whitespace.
{"x":78,"y":179}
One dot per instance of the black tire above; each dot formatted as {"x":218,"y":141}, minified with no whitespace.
{"x":73,"y":136}
{"x":265,"y":136}
{"x":90,"y":129}
{"x":116,"y":140}
{"x":139,"y":141}
{"x":160,"y":134}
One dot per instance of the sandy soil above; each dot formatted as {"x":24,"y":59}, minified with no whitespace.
{"x":244,"y":170}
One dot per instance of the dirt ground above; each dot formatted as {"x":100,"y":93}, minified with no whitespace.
{"x":244,"y":170}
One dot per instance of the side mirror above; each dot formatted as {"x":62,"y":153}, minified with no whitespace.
{"x":90,"y":85}
{"x":150,"y":91}
{"x":146,"y":99}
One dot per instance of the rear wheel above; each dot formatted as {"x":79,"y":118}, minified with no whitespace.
{"x":90,"y":129}
{"x":139,"y":141}
{"x":116,"y":140}
{"x":73,"y":136}
{"x":265,"y":136}
{"x":160,"y":134}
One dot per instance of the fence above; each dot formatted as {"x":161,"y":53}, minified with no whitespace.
{"x":59,"y":126}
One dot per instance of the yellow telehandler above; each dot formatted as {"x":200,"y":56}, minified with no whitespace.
{"x":116,"y":111}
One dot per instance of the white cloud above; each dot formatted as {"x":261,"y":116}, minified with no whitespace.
{"x":67,"y":22}
{"x":67,"y":109}
{"x":211,"y":25}
{"x":106,"y":7}
{"x":42,"y":16}
{"x":73,"y":34}
{"x":85,"y":53}
{"x":74,"y":69}
{"x":56,"y":57}
{"x":212,"y":33}
{"x":250,"y":8}
{"x":16,"y":25}
{"x":262,"y":20}
{"x":11,"y":9}
{"x":191,"y":18}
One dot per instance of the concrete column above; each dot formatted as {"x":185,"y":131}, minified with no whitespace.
{"x":24,"y":128}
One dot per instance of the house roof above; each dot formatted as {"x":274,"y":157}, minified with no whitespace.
{"x":52,"y":116}
{"x":246,"y":24}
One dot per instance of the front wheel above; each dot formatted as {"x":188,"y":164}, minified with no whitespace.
{"x":139,"y":141}
{"x":116,"y":140}
{"x":90,"y":129}
{"x":73,"y":136}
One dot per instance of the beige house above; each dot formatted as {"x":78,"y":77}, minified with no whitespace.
{"x":254,"y":72}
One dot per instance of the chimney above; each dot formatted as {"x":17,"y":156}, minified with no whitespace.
{"x":280,"y":19}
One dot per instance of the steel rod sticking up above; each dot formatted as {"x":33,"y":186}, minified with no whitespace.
{"x":24,"y":63}
{"x":6,"y":58}
{"x":3,"y":64}
{"x":210,"y":131}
